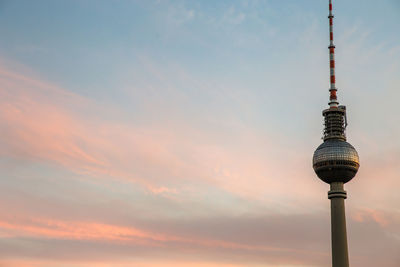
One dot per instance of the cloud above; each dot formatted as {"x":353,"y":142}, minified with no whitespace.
{"x":55,"y":229}
{"x":44,"y":123}
{"x":132,"y":243}
{"x":291,"y":240}
{"x":138,"y":263}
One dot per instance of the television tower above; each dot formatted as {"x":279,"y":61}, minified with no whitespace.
{"x":336,"y":162}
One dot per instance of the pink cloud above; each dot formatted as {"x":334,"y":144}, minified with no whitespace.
{"x":80,"y":230}
{"x":129,"y":236}
{"x":42,"y":122}
{"x":385,"y":219}
{"x":120,"y":263}
{"x":49,"y":228}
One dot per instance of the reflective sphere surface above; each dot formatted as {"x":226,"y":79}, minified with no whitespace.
{"x":335,"y":161}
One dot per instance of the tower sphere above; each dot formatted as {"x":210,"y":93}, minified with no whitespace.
{"x":335,"y":161}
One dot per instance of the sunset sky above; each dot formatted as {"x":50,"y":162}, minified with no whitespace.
{"x":160,"y":133}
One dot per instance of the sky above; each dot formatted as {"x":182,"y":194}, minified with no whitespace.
{"x":180,"y":133}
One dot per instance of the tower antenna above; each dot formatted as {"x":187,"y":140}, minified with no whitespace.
{"x":333,"y":97}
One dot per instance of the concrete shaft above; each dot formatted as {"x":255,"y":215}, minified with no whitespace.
{"x":340,"y":256}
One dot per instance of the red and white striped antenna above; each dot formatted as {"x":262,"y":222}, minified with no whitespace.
{"x":333,"y":98}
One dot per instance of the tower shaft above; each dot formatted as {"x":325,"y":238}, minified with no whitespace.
{"x":340,"y":255}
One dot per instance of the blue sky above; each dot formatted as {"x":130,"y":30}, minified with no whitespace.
{"x":181,"y":132}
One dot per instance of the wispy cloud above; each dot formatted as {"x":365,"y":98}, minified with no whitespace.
{"x":44,"y":123}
